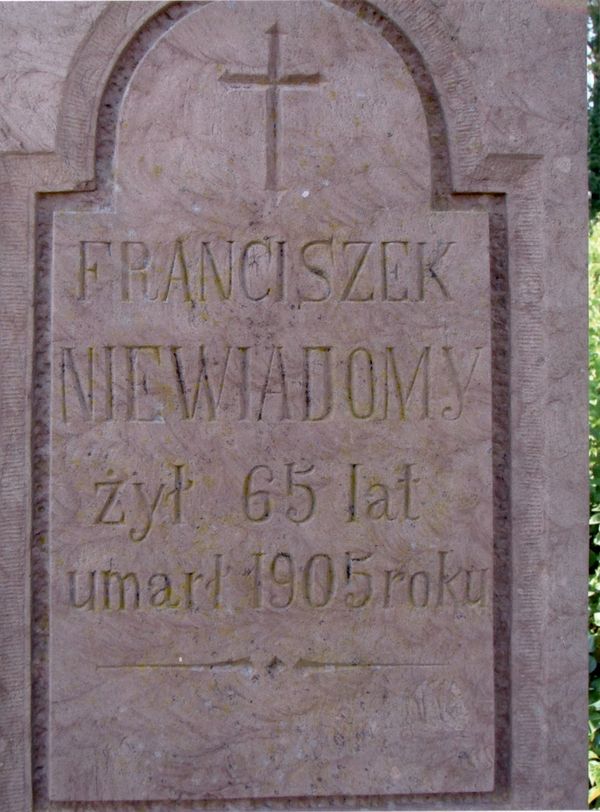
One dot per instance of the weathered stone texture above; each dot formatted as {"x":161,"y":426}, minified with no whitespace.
{"x":307,"y":419}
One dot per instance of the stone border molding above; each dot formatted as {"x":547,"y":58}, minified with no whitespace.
{"x":518,"y":177}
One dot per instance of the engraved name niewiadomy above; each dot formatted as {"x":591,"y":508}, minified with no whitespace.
{"x":259,"y":377}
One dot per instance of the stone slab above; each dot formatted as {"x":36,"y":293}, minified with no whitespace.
{"x":298,"y":408}
{"x":271,"y":454}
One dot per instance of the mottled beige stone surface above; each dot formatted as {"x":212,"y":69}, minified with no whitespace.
{"x":308,"y":404}
{"x":312,"y":361}
{"x":33,"y":68}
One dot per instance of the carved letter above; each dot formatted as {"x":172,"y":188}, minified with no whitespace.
{"x":223,"y":287}
{"x":140,"y":267}
{"x":179,"y":489}
{"x":378,"y":502}
{"x":215,"y":581}
{"x":370,"y":377}
{"x":460,"y":389}
{"x":178,"y":257}
{"x":390,"y":577}
{"x":121,"y":581}
{"x":429,"y":267}
{"x":408,"y":481}
{"x":188,"y":588}
{"x":250,"y":257}
{"x":281,"y":390}
{"x":88,"y":603}
{"x":134,"y":384}
{"x":109,"y":394}
{"x":445,"y":580}
{"x":391,"y":371}
{"x":244,"y":383}
{"x":85,"y":268}
{"x":425,"y":592}
{"x":479,"y":598}
{"x":317,"y":270}
{"x":149,"y":510}
{"x":86,"y":399}
{"x":355,"y":272}
{"x":164,"y":590}
{"x":202,"y":384}
{"x":385,"y":272}
{"x":326,"y":388}
{"x":102,"y":515}
{"x":279,"y":291}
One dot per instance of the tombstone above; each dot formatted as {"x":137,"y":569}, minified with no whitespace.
{"x":294,"y":406}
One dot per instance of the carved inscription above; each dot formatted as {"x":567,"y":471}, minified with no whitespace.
{"x":147,"y":382}
{"x":195,"y":269}
{"x":140,"y":501}
{"x":289,"y":490}
{"x":271,"y":533}
{"x":353,"y":580}
{"x":291,"y":462}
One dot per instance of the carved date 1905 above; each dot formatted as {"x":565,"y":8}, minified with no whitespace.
{"x":353,"y":580}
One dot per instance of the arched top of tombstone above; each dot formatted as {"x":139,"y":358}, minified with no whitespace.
{"x":241,"y":110}
{"x":412,"y":28}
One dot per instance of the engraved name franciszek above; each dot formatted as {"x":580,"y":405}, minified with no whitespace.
{"x":267,"y":269}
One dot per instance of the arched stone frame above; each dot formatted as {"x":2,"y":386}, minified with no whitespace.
{"x":71,"y":168}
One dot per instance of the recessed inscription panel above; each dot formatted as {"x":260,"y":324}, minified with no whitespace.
{"x":271,"y":553}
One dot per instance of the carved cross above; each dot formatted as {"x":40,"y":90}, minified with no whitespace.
{"x":272,"y":81}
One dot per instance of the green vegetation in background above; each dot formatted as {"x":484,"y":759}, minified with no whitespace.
{"x":594,"y":587}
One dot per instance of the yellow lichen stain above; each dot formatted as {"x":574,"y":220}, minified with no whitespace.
{"x":157,"y":170}
{"x":332,"y":94}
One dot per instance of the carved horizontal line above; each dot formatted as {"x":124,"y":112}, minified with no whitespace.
{"x":245,"y":662}
{"x":246,"y":79}
{"x":316,"y":665}
{"x":223,"y":664}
